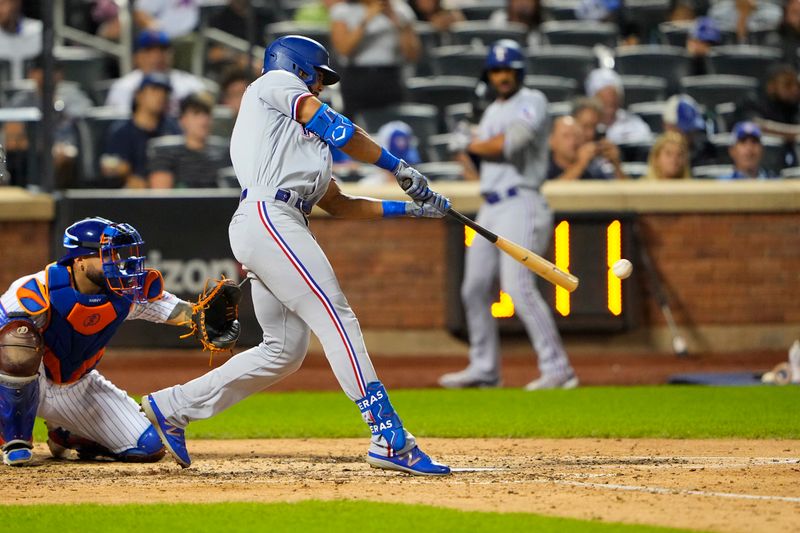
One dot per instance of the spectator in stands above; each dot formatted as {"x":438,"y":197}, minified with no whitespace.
{"x":193,"y":160}
{"x":69,"y":103}
{"x":620,"y":125}
{"x":315,"y":12}
{"x":20,"y":37}
{"x":234,"y":84}
{"x":744,"y":16}
{"x":702,"y":37}
{"x":125,"y":156}
{"x":573,"y":157}
{"x":777,"y":110}
{"x":153,"y":54}
{"x":587,"y":112}
{"x":669,"y":158}
{"x":682,"y":115}
{"x":397,"y":137}
{"x":526,"y":12}
{"x":438,"y":16}
{"x":787,"y":36}
{"x":747,"y":153}
{"x":374,"y":38}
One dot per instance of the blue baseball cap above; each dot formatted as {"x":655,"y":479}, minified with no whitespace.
{"x":706,"y":30}
{"x":743,"y":130}
{"x":682,"y":111}
{"x":399,"y":139}
{"x":152,"y":39}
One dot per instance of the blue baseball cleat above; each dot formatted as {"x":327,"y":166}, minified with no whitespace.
{"x":414,"y":461}
{"x":17,"y":456}
{"x":173,"y":437}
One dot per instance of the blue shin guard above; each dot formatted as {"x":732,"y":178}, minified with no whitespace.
{"x":19,"y":401}
{"x":378,"y":413}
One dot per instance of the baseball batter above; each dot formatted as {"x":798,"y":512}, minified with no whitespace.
{"x":280,"y":152}
{"x":54,"y":326}
{"x":512,"y":144}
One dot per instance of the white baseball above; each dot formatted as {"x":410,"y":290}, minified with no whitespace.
{"x":622,"y":268}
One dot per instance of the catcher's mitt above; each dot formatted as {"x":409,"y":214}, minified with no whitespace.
{"x":214,"y":320}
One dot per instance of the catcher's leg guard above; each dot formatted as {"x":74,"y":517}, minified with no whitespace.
{"x":19,"y":400}
{"x":378,"y":413}
{"x":149,"y":449}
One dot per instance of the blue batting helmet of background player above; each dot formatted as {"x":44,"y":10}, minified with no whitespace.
{"x":506,"y":53}
{"x":301,"y":56}
{"x":119,"y":248}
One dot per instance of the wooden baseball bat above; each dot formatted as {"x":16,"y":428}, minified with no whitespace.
{"x":535,"y":263}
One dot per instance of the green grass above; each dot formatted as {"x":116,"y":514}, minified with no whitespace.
{"x":308,"y":516}
{"x":617,"y":412}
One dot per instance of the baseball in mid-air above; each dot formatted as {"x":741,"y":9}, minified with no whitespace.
{"x":622,"y":268}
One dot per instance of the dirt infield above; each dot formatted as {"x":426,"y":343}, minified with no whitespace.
{"x":731,"y":485}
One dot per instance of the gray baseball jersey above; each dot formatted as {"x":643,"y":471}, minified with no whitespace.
{"x":294,"y":288}
{"x":516,"y":210}
{"x":92,"y":406}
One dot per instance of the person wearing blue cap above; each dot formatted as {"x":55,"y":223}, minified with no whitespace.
{"x":682,"y":114}
{"x":153,"y":54}
{"x":125,"y":156}
{"x":702,"y":37}
{"x":747,"y":153}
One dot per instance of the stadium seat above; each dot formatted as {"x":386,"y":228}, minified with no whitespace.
{"x":5,"y":71}
{"x":442,"y":171}
{"x":222,"y":121}
{"x":644,"y":16}
{"x":569,"y":61}
{"x":668,"y":62}
{"x":455,"y":113}
{"x":93,"y":130}
{"x":458,"y":60}
{"x":423,"y":118}
{"x":652,"y":113}
{"x":643,"y":89}
{"x":481,"y":9}
{"x":774,"y":151}
{"x":10,"y":89}
{"x":752,"y":61}
{"x":714,"y":89}
{"x":555,"y":88}
{"x":634,"y":170}
{"x":100,"y":90}
{"x":725,"y":115}
{"x":559,"y":109}
{"x":559,"y":9}
{"x":580,"y":33}
{"x":430,"y":39}
{"x":675,"y":33}
{"x":791,"y":173}
{"x":635,"y":152}
{"x":711,"y":172}
{"x":441,"y":91}
{"x":83,"y":65}
{"x":318,"y":32}
{"x":474,"y":32}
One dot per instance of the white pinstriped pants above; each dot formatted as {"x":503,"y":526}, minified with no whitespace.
{"x":527,"y":220}
{"x":93,"y":408}
{"x":295,"y":291}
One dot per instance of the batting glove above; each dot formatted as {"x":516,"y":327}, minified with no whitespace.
{"x":461,"y":138}
{"x":435,"y":207}
{"x":412,"y":182}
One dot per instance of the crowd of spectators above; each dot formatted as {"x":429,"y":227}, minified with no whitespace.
{"x":173,"y":114}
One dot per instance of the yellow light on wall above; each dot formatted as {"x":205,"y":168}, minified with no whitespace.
{"x":504,"y":308}
{"x":562,"y":262}
{"x":469,"y":236}
{"x":614,"y":254}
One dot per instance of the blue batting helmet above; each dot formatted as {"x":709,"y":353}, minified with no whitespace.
{"x":301,"y":56}
{"x":506,"y":53}
{"x":117,"y":245}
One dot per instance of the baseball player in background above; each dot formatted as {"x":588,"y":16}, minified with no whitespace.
{"x":54,"y":327}
{"x":280,"y":152}
{"x":511,"y":142}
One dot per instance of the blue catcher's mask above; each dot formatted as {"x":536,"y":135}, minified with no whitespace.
{"x":123,"y":264}
{"x":118,"y":247}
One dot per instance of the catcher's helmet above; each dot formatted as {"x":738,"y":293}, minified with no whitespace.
{"x":301,"y":56}
{"x":117,"y":245}
{"x":506,"y":53}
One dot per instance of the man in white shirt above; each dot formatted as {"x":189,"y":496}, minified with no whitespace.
{"x":20,"y":37}
{"x":153,"y":53}
{"x":621,"y":126}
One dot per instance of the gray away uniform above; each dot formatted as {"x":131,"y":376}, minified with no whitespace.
{"x":294,"y":288}
{"x":516,"y":210}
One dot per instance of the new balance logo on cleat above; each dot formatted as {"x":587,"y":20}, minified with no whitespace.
{"x":173,"y":437}
{"x":415,"y":462}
